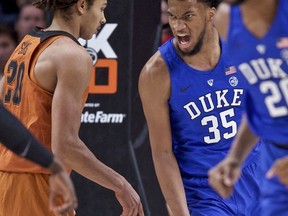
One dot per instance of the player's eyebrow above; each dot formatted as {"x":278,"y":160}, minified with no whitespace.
{"x":187,"y":12}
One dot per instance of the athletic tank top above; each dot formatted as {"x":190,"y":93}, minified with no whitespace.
{"x":205,"y":111}
{"x":264,"y":64}
{"x":26,"y":99}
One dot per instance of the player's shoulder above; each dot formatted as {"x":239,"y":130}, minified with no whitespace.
{"x":69,"y":53}
{"x":155,"y":69}
{"x":70,"y":48}
{"x":222,"y":19}
{"x":154,"y":80}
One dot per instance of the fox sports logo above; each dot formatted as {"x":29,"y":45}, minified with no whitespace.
{"x":92,"y":53}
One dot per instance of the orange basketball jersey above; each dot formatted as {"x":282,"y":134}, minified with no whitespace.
{"x":26,"y":99}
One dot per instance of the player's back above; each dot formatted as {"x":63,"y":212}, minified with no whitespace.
{"x":26,"y":99}
{"x":264,"y":64}
{"x":205,"y":111}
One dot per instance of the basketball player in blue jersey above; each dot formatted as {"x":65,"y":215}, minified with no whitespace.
{"x":192,"y":98}
{"x":256,"y":37}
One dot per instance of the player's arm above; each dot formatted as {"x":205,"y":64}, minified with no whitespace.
{"x":19,"y":140}
{"x":279,"y":169}
{"x":73,"y":71}
{"x":154,"y":89}
{"x":223,"y":176}
{"x":243,"y":143}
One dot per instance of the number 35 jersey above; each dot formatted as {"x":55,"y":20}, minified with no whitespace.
{"x":26,"y":99}
{"x":264,"y":65}
{"x":205,"y":111}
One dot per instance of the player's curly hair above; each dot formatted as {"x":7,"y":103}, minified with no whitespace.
{"x":46,"y":5}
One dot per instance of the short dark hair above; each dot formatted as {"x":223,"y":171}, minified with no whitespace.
{"x":7,"y":30}
{"x":46,"y":5}
{"x":51,"y":6}
{"x":211,"y":3}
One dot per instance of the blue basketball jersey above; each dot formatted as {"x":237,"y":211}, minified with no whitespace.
{"x":205,"y":111}
{"x":264,"y":65}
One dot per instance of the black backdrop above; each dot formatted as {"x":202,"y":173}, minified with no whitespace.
{"x":113,"y":124}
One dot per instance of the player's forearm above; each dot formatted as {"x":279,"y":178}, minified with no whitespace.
{"x":169,"y":177}
{"x":19,"y":140}
{"x":243,"y":143}
{"x":78,"y":157}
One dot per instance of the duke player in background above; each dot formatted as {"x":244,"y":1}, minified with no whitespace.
{"x":256,"y":36}
{"x":192,"y":98}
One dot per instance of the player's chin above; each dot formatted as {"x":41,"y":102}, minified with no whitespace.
{"x":186,"y":49}
{"x":88,"y":35}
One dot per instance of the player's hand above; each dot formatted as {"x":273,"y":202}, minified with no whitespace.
{"x":280,"y":169}
{"x":61,"y":186}
{"x":129,"y":200}
{"x":223,"y":176}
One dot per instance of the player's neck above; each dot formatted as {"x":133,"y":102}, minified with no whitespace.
{"x":258,"y":15}
{"x":265,"y":6}
{"x":70,"y":26}
{"x":208,"y":56}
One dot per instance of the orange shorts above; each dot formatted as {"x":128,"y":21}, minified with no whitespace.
{"x":23,"y":194}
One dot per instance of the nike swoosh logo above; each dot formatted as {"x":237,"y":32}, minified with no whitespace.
{"x":186,"y":88}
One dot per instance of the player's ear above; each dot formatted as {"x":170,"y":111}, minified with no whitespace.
{"x":211,"y":14}
{"x":80,"y":6}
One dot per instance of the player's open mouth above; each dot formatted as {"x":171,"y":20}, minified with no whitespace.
{"x":183,"y":41}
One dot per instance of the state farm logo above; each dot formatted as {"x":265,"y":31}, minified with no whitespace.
{"x":99,"y":116}
{"x":107,"y":66}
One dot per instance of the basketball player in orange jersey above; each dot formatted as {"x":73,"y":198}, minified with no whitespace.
{"x":45,"y":85}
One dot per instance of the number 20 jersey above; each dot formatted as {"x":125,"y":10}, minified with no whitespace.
{"x":264,"y":64}
{"x":26,"y":99}
{"x":205,"y":111}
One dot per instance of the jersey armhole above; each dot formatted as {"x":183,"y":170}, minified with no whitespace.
{"x":38,"y":51}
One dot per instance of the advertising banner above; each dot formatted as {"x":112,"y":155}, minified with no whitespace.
{"x":112,"y":117}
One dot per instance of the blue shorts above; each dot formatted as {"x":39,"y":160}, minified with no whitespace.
{"x":204,"y":201}
{"x":274,"y":195}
